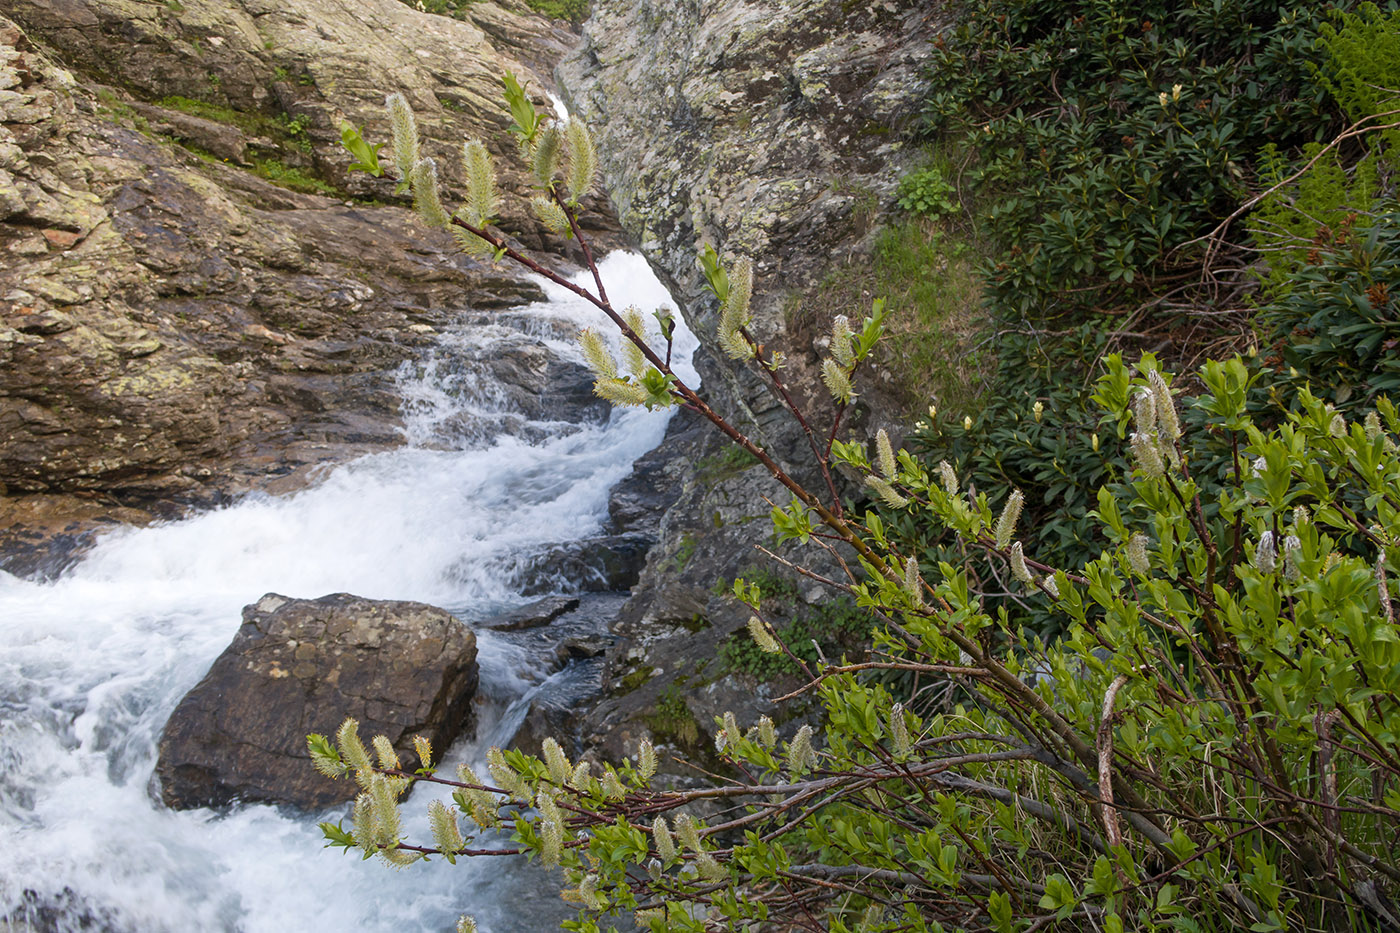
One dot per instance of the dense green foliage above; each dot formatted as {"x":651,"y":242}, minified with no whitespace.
{"x":1104,"y":138}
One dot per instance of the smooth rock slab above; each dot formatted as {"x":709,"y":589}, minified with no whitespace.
{"x":302,"y":665}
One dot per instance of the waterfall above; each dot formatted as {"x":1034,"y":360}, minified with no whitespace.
{"x":93,"y":663}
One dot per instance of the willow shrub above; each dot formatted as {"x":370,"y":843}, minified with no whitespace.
{"x":1211,"y":745}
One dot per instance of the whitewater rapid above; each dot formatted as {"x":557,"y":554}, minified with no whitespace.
{"x":92,"y":664}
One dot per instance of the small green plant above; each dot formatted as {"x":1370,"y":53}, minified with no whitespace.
{"x":927,"y":193}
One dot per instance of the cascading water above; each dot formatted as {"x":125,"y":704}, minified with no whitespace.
{"x":92,"y":664}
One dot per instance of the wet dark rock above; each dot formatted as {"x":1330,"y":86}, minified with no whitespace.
{"x":538,"y":613}
{"x":591,"y":565}
{"x":301,"y":666}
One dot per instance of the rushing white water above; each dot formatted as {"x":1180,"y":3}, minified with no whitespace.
{"x":92,"y":664}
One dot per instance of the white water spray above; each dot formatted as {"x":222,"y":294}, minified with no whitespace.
{"x":92,"y":664}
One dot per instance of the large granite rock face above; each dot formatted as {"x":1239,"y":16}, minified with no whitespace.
{"x":174,"y":328}
{"x":772,"y":131}
{"x":299,"y":666}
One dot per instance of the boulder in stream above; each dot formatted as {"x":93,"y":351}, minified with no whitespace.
{"x":302,"y":665}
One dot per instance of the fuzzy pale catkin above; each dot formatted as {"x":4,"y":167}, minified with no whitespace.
{"x":1373,"y":426}
{"x":1168,"y":425}
{"x":583,"y":159}
{"x":620,"y":392}
{"x":550,"y":214}
{"x":1265,"y":555}
{"x":800,"y":756}
{"x":443,"y":824}
{"x":763,"y":637}
{"x":1010,"y":514}
{"x":505,"y":776}
{"x":1051,"y":586}
{"x":424,"y":750}
{"x":427,"y":199}
{"x":597,"y":355}
{"x":899,"y":733}
{"x":646,"y":760}
{"x":842,"y":342}
{"x":481,"y":183}
{"x":549,"y":143}
{"x":886,"y":492}
{"x":612,"y":787}
{"x":661,"y":838}
{"x":689,"y":832}
{"x":1019,"y":570}
{"x":767,"y":732}
{"x":555,"y":760}
{"x":949,"y":478}
{"x":1145,"y":411}
{"x":347,"y":739}
{"x":1337,"y":427}
{"x":884,"y":454}
{"x":362,"y":820}
{"x":632,"y":354}
{"x":837,"y":382}
{"x":1292,"y":550}
{"x":580,"y":778}
{"x":551,"y":842}
{"x":1137,"y":554}
{"x":466,"y":925}
{"x":913,"y":583}
{"x":1148,"y":457}
{"x":405,"y":135}
{"x":388,"y":758}
{"x":388,"y":822}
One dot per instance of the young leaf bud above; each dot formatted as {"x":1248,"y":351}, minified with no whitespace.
{"x":1019,"y":570}
{"x":762,"y":637}
{"x":1010,"y":514}
{"x":884,"y":455}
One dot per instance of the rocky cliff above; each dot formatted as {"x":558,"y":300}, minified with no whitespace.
{"x":177,"y":323}
{"x":772,"y":131}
